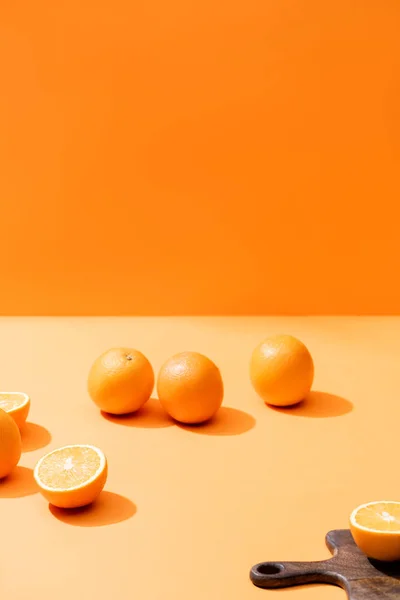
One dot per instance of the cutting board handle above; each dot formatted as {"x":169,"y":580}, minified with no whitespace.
{"x":284,"y":574}
{"x":349,"y":568}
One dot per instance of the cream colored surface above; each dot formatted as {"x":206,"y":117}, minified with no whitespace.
{"x":196,"y":507}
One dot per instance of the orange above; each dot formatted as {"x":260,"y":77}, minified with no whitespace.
{"x":17,"y":405}
{"x":121,"y":381}
{"x":71,"y":476}
{"x":190,"y":387}
{"x":282,"y":370}
{"x":376,"y":529}
{"x":10,"y":444}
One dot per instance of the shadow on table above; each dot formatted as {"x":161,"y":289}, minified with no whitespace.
{"x":318,"y":405}
{"x":18,"y":484}
{"x":152,"y":415}
{"x":34,"y":436}
{"x":303,"y":586}
{"x":227,"y":421}
{"x":108,"y":509}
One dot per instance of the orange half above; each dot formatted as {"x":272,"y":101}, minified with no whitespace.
{"x":376,"y":529}
{"x":17,"y":405}
{"x":72,"y":476}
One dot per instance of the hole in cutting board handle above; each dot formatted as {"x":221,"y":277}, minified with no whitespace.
{"x":269,"y":569}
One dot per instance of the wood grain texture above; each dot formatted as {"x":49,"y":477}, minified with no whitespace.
{"x":349,"y":568}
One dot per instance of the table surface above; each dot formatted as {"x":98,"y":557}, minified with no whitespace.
{"x":187,"y":511}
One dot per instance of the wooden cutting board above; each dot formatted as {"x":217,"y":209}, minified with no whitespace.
{"x":349,"y":568}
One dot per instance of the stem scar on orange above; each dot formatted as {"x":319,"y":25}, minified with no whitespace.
{"x":121,"y":381}
{"x":282,"y":370}
{"x":190,"y":387}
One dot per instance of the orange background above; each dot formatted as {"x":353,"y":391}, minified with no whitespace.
{"x":199,"y":157}
{"x":187,"y":511}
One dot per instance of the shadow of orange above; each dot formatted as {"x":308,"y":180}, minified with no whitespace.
{"x":151,"y":415}
{"x":318,"y":405}
{"x":108,"y":509}
{"x":227,"y":421}
{"x":34,"y":437}
{"x":18,"y":484}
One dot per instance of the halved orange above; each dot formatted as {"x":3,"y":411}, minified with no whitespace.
{"x":375,"y":527}
{"x":72,"y":476}
{"x":17,"y":405}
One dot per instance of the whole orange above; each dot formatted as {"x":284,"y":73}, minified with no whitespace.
{"x":282,"y":370}
{"x":190,"y":387}
{"x":10,"y":444}
{"x":121,"y":381}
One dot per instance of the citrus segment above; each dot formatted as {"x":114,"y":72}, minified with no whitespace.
{"x":17,"y":405}
{"x":376,"y":529}
{"x":72,"y":476}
